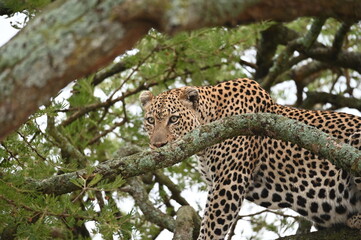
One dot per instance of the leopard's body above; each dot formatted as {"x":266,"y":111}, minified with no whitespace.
{"x":269,"y":172}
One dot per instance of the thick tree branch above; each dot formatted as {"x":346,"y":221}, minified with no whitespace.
{"x":69,"y":40}
{"x":275,"y":126}
{"x":311,"y":36}
{"x":338,"y":101}
{"x":330,"y":56}
{"x":340,"y":37}
{"x":285,"y":60}
{"x":72,"y":39}
{"x":270,"y":38}
{"x":187,"y":224}
{"x":305,"y":75}
{"x":327,"y":234}
{"x":152,"y":214}
{"x":343,"y":59}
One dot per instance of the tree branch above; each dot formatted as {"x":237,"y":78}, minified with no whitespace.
{"x":114,"y":69}
{"x":343,"y":59}
{"x":284,"y":60}
{"x":342,"y":155}
{"x":330,"y":56}
{"x":337,"y":101}
{"x":71,"y":39}
{"x":173,"y":188}
{"x":311,"y":36}
{"x":152,"y":214}
{"x":266,"y":49}
{"x":340,"y":37}
{"x":187,"y":224}
{"x":327,"y":234}
{"x":68,"y":150}
{"x":86,"y":109}
{"x":304,"y":75}
{"x":72,"y":50}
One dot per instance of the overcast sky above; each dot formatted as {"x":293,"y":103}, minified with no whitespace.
{"x":6,"y":30}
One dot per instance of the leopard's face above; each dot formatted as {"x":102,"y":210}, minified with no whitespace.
{"x":169,"y":115}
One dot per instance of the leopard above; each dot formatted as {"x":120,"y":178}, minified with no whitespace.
{"x":272,"y":173}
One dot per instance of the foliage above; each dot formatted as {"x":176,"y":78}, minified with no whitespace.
{"x":88,"y":122}
{"x":30,"y":8}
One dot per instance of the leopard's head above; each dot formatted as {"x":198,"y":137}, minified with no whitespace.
{"x":169,"y":115}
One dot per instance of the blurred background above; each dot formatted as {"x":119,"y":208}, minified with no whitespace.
{"x":95,"y":116}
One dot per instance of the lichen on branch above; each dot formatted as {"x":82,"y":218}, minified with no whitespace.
{"x":263,"y":124}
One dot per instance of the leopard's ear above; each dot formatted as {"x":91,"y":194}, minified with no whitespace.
{"x":145,"y":98}
{"x":191,"y":95}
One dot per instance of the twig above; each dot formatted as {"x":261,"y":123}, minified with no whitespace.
{"x":239,"y":217}
{"x":104,"y":133}
{"x":176,"y":192}
{"x":30,"y":146}
{"x":84,"y":110}
{"x":64,"y":143}
{"x":136,"y":68}
{"x":12,"y":155}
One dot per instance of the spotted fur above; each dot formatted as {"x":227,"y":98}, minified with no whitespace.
{"x":272,"y":173}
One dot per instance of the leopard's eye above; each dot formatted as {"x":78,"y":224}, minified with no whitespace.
{"x":173,"y":119}
{"x":150,"y":120}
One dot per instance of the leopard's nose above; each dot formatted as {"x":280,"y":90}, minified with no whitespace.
{"x":159,"y":144}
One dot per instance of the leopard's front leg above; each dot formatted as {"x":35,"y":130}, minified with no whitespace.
{"x":223,"y":205}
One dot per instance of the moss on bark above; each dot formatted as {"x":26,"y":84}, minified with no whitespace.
{"x":264,"y":124}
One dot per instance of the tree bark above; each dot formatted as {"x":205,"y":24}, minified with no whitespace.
{"x":187,"y":224}
{"x":137,"y":190}
{"x":326,"y":234}
{"x":71,"y":39}
{"x":338,"y":101}
{"x":271,"y":125}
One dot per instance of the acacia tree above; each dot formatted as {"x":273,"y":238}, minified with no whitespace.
{"x":64,"y":173}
